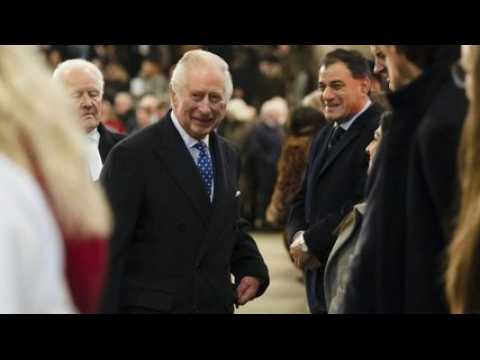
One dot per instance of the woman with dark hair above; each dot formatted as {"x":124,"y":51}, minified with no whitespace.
{"x":304,"y":124}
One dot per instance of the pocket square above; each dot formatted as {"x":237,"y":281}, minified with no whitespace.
{"x":237,"y":194}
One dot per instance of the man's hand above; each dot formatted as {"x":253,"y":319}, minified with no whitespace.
{"x":247,"y":290}
{"x":302,"y":259}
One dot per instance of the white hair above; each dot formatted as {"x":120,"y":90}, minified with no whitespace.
{"x":197,"y":57}
{"x":81,"y":64}
{"x":275,"y":105}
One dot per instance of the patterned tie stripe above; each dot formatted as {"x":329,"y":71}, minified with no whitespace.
{"x":205,"y":167}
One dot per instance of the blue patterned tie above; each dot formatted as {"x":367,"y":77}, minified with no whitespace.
{"x":205,"y":167}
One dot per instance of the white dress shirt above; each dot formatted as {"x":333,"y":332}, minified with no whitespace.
{"x":32,"y":279}
{"x":347,"y":124}
{"x":190,"y":142}
{"x":95,"y":164}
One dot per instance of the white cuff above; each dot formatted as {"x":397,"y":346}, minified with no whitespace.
{"x":299,"y":240}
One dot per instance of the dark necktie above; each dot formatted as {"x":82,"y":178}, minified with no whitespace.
{"x":338,"y":132}
{"x":204,"y":164}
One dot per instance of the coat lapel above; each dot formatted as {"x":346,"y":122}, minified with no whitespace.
{"x":346,"y":234}
{"x":319,"y":159}
{"x":180,"y":165}
{"x":328,"y":159}
{"x":337,"y":150}
{"x":223,"y":188}
{"x":104,"y":143}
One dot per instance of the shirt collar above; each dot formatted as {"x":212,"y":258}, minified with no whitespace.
{"x":189,"y":141}
{"x":347,"y":124}
{"x":94,"y":136}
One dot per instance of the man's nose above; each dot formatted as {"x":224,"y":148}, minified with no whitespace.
{"x":378,"y":68}
{"x":204,"y":106}
{"x":328,"y":94}
{"x":87,"y":101}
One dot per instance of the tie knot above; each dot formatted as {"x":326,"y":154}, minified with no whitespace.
{"x":200,"y":146}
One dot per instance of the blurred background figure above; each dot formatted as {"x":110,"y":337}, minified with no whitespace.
{"x":147,"y":112}
{"x":313,"y":100}
{"x":116,"y":80}
{"x":151,"y":80}
{"x":109,"y":118}
{"x":125,"y":110}
{"x":304,"y":124}
{"x":238,"y":121}
{"x":462,"y":277}
{"x":50,"y":195}
{"x":262,"y":151}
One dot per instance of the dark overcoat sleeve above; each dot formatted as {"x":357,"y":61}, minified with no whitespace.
{"x":246,"y":259}
{"x":122,"y":180}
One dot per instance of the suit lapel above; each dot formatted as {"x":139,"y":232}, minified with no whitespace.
{"x":223,"y":186}
{"x":326,"y":160}
{"x":337,"y":150}
{"x":104,"y":142}
{"x":180,"y":165}
{"x":319,"y":159}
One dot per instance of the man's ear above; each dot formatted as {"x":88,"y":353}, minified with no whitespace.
{"x":173,"y":97}
{"x":365,"y":85}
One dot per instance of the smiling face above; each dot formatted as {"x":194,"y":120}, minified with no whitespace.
{"x":200,"y":104}
{"x":85,"y":90}
{"x":342,"y":95}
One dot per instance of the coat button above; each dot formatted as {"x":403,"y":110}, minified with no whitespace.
{"x":181,"y":228}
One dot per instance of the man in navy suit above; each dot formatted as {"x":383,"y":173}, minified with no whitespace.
{"x":174,"y":191}
{"x":336,"y":174}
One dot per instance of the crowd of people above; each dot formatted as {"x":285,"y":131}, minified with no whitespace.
{"x":134,"y":175}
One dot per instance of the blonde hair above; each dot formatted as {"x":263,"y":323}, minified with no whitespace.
{"x":39,"y":132}
{"x":462,"y":274}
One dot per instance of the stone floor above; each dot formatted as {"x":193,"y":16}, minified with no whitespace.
{"x":286,"y":294}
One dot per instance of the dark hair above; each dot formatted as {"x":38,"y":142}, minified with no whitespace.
{"x":305,"y":120}
{"x":424,"y":56}
{"x":354,"y":60}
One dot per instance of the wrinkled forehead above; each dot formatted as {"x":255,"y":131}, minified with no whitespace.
{"x":207,"y":77}
{"x":81,"y":78}
{"x":335,"y":72}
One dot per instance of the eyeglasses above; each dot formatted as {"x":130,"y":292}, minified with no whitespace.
{"x":459,"y":75}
